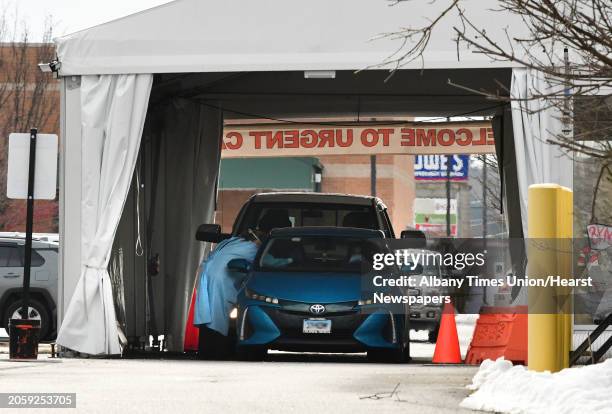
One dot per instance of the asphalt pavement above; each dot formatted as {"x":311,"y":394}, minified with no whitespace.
{"x":285,"y":382}
{"x":297,"y":383}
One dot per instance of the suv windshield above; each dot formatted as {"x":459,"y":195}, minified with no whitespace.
{"x":318,"y":254}
{"x":309,"y":214}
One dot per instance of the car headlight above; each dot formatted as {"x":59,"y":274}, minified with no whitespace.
{"x":363,"y":302}
{"x":256,"y":296}
{"x":234,"y":313}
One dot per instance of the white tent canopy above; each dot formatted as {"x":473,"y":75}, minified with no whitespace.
{"x":206,"y":55}
{"x":269,"y":35}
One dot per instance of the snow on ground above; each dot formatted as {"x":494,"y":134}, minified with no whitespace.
{"x":420,"y":348}
{"x":3,"y":333}
{"x":501,"y":387}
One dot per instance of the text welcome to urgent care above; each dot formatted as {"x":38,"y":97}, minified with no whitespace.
{"x":295,"y":140}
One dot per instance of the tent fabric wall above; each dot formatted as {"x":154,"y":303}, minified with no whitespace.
{"x":190,"y":135}
{"x":113,"y":110}
{"x":508,"y":173}
{"x":534,"y":122}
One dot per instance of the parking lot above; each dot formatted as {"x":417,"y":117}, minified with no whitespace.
{"x":284,"y":383}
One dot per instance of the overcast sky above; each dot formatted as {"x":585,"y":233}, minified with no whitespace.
{"x":71,"y":15}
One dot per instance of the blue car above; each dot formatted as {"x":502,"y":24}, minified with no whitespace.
{"x":305,"y":293}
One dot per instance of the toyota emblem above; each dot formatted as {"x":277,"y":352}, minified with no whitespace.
{"x":317,"y":309}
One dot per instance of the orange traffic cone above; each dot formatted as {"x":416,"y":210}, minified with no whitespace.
{"x":447,"y":346}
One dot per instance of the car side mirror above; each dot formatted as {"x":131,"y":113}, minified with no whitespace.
{"x":238,"y":265}
{"x":416,"y":237}
{"x":210,"y":233}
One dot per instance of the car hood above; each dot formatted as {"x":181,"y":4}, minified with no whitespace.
{"x":307,"y":287}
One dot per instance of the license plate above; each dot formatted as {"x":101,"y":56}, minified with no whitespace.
{"x":317,"y":326}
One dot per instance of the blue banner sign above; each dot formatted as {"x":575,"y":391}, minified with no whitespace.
{"x":433,"y":167}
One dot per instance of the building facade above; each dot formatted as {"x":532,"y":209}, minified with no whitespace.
{"x":29,"y":99}
{"x":348,"y":174}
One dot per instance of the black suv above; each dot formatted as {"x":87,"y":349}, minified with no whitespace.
{"x":305,"y":210}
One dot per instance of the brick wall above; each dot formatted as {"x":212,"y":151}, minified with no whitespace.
{"x":394,"y":181}
{"x":348,"y":174}
{"x":28,"y":98}
{"x":229,"y":203}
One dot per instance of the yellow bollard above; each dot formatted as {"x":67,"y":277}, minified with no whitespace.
{"x":550,"y":219}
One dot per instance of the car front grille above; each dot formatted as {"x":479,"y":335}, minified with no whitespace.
{"x":330,"y":308}
{"x":290,"y":322}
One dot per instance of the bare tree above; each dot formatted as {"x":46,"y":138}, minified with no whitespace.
{"x":27,"y":95}
{"x":556,"y":31}
{"x":493,"y":184}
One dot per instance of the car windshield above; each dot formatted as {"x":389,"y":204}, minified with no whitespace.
{"x":278,"y":215}
{"x":318,"y":254}
{"x":429,"y":261}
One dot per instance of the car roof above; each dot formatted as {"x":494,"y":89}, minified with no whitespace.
{"x":19,"y":241}
{"x":327,"y":232}
{"x":312,"y":197}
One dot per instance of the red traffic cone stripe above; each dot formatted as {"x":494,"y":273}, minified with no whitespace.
{"x":191,"y":331}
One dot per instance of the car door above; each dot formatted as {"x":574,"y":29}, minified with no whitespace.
{"x":11,"y":267}
{"x":384,"y":221}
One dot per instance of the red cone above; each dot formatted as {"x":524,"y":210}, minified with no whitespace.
{"x":447,"y":346}
{"x":191,"y":331}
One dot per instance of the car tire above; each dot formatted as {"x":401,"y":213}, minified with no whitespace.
{"x":37,"y":311}
{"x":432,"y":336}
{"x":251,"y":353}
